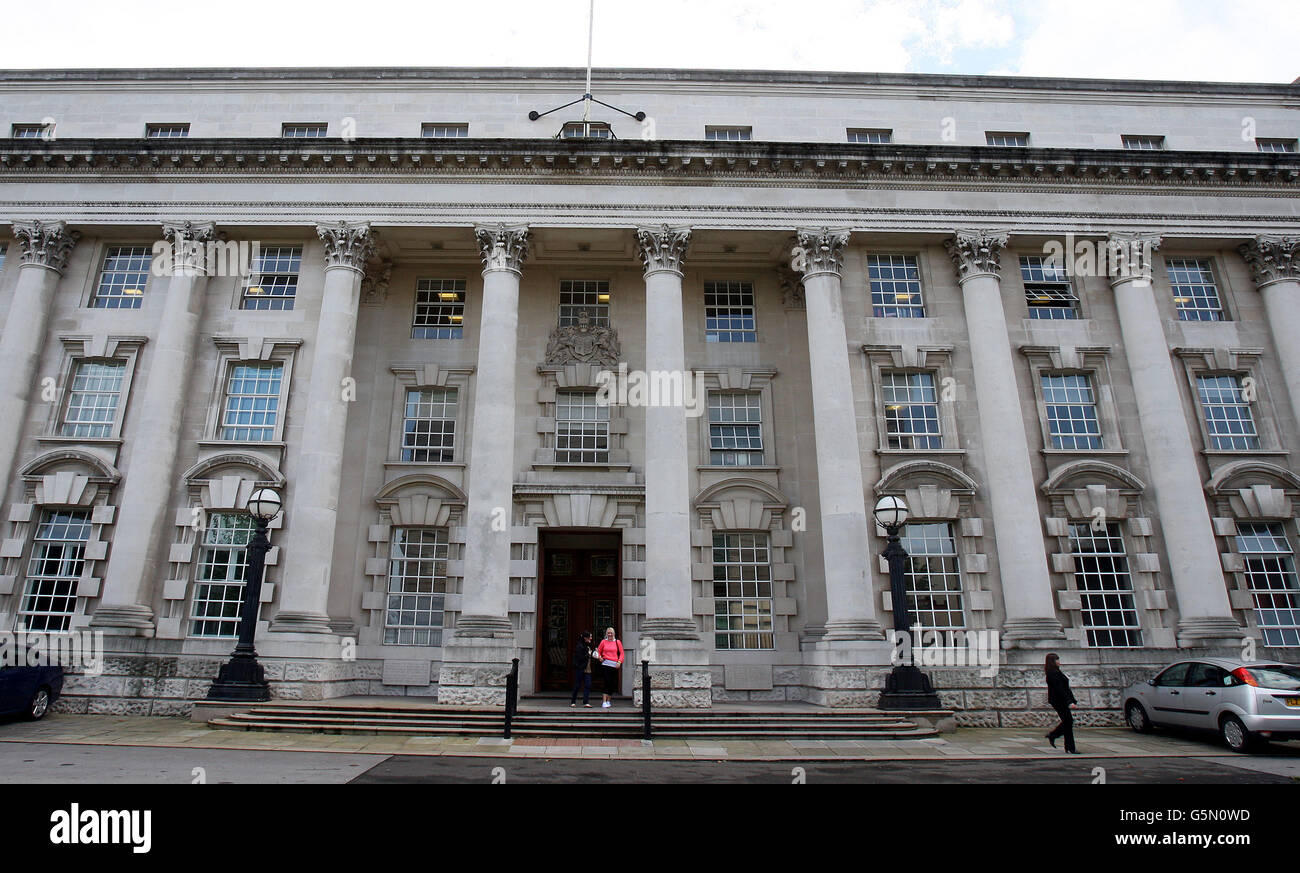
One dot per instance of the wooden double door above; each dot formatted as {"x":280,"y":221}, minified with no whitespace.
{"x":579,"y":593}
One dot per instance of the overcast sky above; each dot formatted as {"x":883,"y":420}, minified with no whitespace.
{"x":1215,"y":40}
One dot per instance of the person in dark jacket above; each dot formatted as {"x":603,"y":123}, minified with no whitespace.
{"x":582,"y":669}
{"x":1061,"y":699}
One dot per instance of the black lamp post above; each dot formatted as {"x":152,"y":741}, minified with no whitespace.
{"x":907,"y":688}
{"x":241,"y":679}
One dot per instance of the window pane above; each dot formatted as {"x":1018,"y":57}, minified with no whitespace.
{"x":1195,"y":294}
{"x":1143,"y":143}
{"x":273,"y":281}
{"x":911,"y":411}
{"x":55,"y":569}
{"x":252,"y":402}
{"x":879,"y":137}
{"x":429,"y":426}
{"x":304,"y":130}
{"x":167,"y":131}
{"x":444,"y":130}
{"x":1013,"y":140}
{"x":1071,"y":412}
{"x":1271,"y":578}
{"x":123,"y":278}
{"x":735,"y":134}
{"x":742,"y":592}
{"x":735,"y":429}
{"x":417,"y":585}
{"x":933,"y":580}
{"x":219,"y":584}
{"x":581,"y":429}
{"x":1048,"y":290}
{"x":1228,"y":418}
{"x":439,"y":309}
{"x":93,"y":398}
{"x":895,"y":286}
{"x":588,"y":297}
{"x":729,"y":312}
{"x":1109,"y":612}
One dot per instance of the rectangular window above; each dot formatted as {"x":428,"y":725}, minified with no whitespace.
{"x":729,"y":312}
{"x":734,"y":134}
{"x":444,"y":131}
{"x":870,"y":135}
{"x":1277,"y":145}
{"x":1195,"y":294}
{"x":1048,"y":290}
{"x":1271,"y":578}
{"x":1007,"y":140}
{"x":252,"y":402}
{"x":219,"y":586}
{"x":439,"y":309}
{"x":1143,"y":143}
{"x":429,"y":425}
{"x":30,"y":131}
{"x":58,"y":560}
{"x":1071,"y":411}
{"x":166,"y":131}
{"x":895,"y":286}
{"x":735,"y":429}
{"x":417,"y":586}
{"x":304,"y":131}
{"x":122,"y":278}
{"x":742,"y":592}
{"x":579,"y":296}
{"x":92,"y":399}
{"x":933,"y":578}
{"x":581,"y":428}
{"x":1109,"y":612}
{"x":2,"y":258}
{"x":586,"y":130}
{"x":911,"y":411}
{"x":272,"y":282}
{"x":1228,"y":419}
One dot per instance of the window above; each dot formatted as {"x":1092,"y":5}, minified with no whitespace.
{"x":581,"y":428}
{"x":219,"y":586}
{"x":166,"y":131}
{"x":2,"y":258}
{"x":58,"y":559}
{"x":729,"y":312}
{"x":429,"y":426}
{"x":1109,"y":612}
{"x":92,"y":399}
{"x":742,"y":592}
{"x":1071,"y":411}
{"x":123,"y":277}
{"x":586,"y":130}
{"x":1228,"y":419}
{"x":735,"y":429}
{"x":444,"y":131}
{"x":252,"y":402}
{"x":1174,"y":677}
{"x":417,"y":585}
{"x":933,"y":579}
{"x":911,"y":411}
{"x":1009,"y":140}
{"x":584,"y":295}
{"x":734,"y":134}
{"x":273,"y":280}
{"x":1048,"y":290}
{"x":1271,"y":578}
{"x":868,"y":135}
{"x":302,"y":131}
{"x":1277,"y":145}
{"x":1195,"y":294}
{"x":895,"y":286}
{"x":31,"y":131}
{"x":1143,"y":143}
{"x":439,"y":309}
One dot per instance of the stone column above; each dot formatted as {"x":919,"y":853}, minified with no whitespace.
{"x":1275,"y":263}
{"x":477,"y":657}
{"x":1205,"y":614}
{"x":143,"y":513}
{"x":45,"y":246}
{"x":680,"y":676}
{"x":312,"y":513}
{"x":1031,"y":620}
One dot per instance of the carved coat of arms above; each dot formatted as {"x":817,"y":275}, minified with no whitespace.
{"x":583,"y":343}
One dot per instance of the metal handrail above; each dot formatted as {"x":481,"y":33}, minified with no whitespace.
{"x":512,"y":696}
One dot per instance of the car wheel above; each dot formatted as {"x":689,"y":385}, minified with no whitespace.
{"x":1235,"y":734}
{"x":40,"y":704}
{"x":1137,"y":718}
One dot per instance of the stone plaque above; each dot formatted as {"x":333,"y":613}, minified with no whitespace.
{"x":407,"y":673}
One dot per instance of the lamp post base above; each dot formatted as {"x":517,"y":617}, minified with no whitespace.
{"x":907,"y":688}
{"x":241,"y":680}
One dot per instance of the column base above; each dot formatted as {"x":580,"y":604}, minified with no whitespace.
{"x":680,"y":677}
{"x":854,"y":630}
{"x":476,"y":662}
{"x":1033,"y":633}
{"x":1210,"y":632}
{"x":301,"y":623}
{"x":123,"y":620}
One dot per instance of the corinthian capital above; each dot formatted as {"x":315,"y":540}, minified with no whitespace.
{"x":818,"y":250}
{"x":977,"y":253}
{"x":45,"y":243}
{"x":502,"y":246}
{"x":1273,"y":259}
{"x":663,"y":247}
{"x":1131,"y":256}
{"x":347,"y":244}
{"x":188,"y":240}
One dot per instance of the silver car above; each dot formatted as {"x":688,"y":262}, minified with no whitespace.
{"x":1245,"y":702}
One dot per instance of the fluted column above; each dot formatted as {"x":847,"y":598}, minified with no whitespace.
{"x":1031,"y":620}
{"x":846,"y":536}
{"x":313,"y":511}
{"x":45,"y":247}
{"x":142,"y":514}
{"x":1275,"y":263}
{"x":1205,"y":614}
{"x":478,"y":654}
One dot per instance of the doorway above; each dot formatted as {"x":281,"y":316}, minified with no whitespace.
{"x":578,"y":577}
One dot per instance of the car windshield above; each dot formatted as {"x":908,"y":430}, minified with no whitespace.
{"x":1280,"y":676}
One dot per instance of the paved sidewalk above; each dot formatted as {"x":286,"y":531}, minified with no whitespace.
{"x":963,"y":744}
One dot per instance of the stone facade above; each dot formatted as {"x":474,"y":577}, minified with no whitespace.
{"x":388,"y":226}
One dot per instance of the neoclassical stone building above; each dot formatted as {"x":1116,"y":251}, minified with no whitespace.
{"x":854,"y":282}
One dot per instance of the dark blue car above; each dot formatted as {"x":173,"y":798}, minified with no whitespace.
{"x":30,"y":691}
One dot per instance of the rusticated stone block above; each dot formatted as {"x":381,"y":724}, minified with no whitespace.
{"x":681,"y":698}
{"x":171,"y":708}
{"x":463,"y":695}
{"x":958,"y":678}
{"x":998,"y":699}
{"x":977,"y":719}
{"x":75,"y":705}
{"x":199,"y":668}
{"x":1098,"y":718}
{"x":787,"y":675}
{"x":117,"y":706}
{"x":691,"y":679}
{"x":845,"y":678}
{"x":773,"y":694}
{"x":952,"y":700}
{"x":1028,"y":719}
